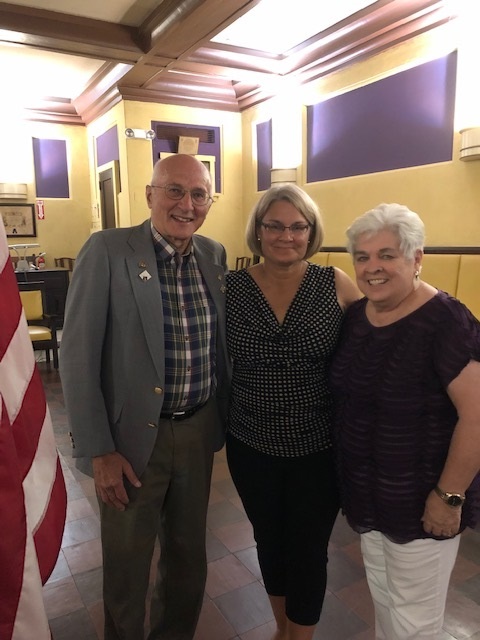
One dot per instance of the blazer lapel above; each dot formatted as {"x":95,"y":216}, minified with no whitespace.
{"x":142,"y":269}
{"x":214,"y":275}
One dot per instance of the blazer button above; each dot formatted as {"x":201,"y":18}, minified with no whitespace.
{"x":152,"y":424}
{"x":158,"y":390}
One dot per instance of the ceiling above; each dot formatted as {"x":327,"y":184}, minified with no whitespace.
{"x":69,"y":62}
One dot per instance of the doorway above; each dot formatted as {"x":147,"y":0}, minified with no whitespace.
{"x":108,"y":198}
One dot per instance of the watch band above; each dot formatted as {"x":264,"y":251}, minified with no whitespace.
{"x":452,"y":499}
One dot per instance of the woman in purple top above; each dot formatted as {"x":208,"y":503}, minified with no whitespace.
{"x":406,"y":382}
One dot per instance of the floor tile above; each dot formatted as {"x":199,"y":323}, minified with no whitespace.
{"x":61,"y":597}
{"x":74,"y":626}
{"x":245,"y":608}
{"x":223,"y":513}
{"x":81,"y":530}
{"x":236,"y":606}
{"x":342,"y":571}
{"x":213,"y":625}
{"x":227,"y":574}
{"x":338,"y":621}
{"x":89,"y":585}
{"x":215,"y":548}
{"x":249,"y":558}
{"x":80,"y":508}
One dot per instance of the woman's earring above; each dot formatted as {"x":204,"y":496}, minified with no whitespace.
{"x":417,"y":273}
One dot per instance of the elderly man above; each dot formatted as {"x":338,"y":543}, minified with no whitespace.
{"x":145,"y":376}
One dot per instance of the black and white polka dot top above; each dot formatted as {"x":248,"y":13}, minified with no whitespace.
{"x":280,"y":402}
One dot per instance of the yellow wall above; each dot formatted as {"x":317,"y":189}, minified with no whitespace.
{"x":67,"y":220}
{"x":225,"y":221}
{"x":445,"y":195}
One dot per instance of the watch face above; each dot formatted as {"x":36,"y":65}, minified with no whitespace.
{"x":455,"y":501}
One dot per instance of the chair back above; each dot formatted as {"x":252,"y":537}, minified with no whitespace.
{"x":32,"y":295}
{"x":242,"y":262}
{"x":32,"y":304}
{"x":65,"y":263}
{"x":42,"y":327}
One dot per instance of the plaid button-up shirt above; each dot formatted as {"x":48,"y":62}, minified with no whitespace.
{"x":190,"y":322}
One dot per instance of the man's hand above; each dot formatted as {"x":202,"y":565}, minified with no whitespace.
{"x":440,"y":519}
{"x":108,"y":472}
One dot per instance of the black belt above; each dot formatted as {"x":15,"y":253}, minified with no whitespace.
{"x":181,"y":415}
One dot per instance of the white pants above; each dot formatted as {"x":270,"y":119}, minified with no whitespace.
{"x":409,"y":584}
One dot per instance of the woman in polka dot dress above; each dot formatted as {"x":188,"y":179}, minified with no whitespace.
{"x":283,"y":321}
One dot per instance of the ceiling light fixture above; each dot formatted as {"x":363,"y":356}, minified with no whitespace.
{"x":143,"y":134}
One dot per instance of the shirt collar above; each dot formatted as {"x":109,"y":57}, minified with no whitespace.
{"x":164,"y":249}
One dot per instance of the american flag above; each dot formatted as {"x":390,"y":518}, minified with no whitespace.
{"x":32,"y":488}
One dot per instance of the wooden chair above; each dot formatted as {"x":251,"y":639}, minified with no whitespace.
{"x":242,"y":262}
{"x":42,"y":327}
{"x":65,"y":263}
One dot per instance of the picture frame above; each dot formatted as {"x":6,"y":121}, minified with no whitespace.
{"x":19,"y":220}
{"x":207,"y":161}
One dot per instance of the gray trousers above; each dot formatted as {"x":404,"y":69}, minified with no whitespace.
{"x":171,"y":505}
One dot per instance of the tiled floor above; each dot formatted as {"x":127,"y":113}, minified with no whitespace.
{"x":235,"y":605}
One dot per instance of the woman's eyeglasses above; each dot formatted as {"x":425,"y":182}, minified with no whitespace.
{"x":298,"y":229}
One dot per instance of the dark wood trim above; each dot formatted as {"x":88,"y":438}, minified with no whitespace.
{"x":170,"y":57}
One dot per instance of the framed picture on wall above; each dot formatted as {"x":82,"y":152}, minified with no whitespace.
{"x":207,"y":161}
{"x":19,"y":220}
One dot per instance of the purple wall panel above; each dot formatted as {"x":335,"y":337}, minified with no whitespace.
{"x":51,"y":168}
{"x":405,"y":120}
{"x":204,"y":148}
{"x":107,"y":147}
{"x":264,"y":155}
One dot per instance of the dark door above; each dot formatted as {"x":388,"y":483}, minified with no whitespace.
{"x":107,"y":199}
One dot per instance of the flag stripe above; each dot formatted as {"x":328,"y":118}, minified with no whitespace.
{"x":29,"y":423}
{"x":13,"y":538}
{"x":48,"y":537}
{"x":32,"y":488}
{"x":10,"y":308}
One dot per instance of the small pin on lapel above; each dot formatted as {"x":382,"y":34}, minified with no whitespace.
{"x":144,"y":275}
{"x":142,"y":264}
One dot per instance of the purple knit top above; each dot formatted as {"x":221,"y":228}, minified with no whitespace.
{"x":393,"y":418}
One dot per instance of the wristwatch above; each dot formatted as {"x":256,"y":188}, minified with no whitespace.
{"x":452,"y":499}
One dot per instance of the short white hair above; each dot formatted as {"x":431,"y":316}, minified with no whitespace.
{"x":397,"y":218}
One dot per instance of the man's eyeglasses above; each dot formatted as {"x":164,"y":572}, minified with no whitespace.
{"x":172,"y":191}
{"x":298,"y":229}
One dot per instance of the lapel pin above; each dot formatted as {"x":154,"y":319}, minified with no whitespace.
{"x":144,"y":276}
{"x":142,"y":264}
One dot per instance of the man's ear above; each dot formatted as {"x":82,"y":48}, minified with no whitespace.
{"x":148,"y":195}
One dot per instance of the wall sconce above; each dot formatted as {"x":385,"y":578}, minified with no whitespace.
{"x":282,"y":176}
{"x":13,"y":191}
{"x":143,"y":134}
{"x":470,"y":144}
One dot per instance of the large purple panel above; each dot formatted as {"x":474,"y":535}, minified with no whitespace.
{"x":107,"y":147}
{"x":204,"y":148}
{"x":405,"y":120}
{"x":264,"y":155}
{"x":51,"y":168}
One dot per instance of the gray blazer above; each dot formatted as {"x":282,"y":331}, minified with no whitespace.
{"x":112,"y":346}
